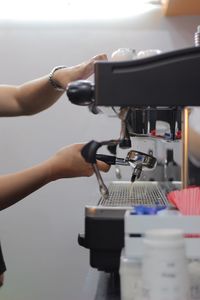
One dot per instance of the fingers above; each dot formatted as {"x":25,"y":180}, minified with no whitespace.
{"x":88,"y":67}
{"x":87,"y":167}
{"x":68,"y":162}
{"x":103,"y":166}
{"x":78,"y":72}
{"x":101,"y":56}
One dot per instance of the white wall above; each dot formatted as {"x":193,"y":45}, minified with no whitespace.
{"x":39,"y":234}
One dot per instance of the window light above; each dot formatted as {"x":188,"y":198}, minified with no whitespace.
{"x":63,"y":10}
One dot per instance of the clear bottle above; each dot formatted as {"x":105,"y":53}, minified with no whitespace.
{"x":165,"y":269}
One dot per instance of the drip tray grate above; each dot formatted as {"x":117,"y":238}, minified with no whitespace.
{"x":127,"y":194}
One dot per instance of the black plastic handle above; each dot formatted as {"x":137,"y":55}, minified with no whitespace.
{"x":89,"y":151}
{"x":108,"y":159}
{"x":81,"y":92}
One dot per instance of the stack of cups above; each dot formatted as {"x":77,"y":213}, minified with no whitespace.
{"x":165,"y":268}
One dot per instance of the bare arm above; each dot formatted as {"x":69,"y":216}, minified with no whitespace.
{"x":66,"y":163}
{"x":30,"y":98}
{"x":37,"y":95}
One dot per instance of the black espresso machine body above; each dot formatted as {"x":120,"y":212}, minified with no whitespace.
{"x":139,"y":92}
{"x":167,"y":79}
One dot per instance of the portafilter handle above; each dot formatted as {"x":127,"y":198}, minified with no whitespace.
{"x":89,"y":153}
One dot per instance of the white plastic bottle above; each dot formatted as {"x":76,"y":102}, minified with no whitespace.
{"x":194,"y":274}
{"x":130,"y":277}
{"x":165,"y":269}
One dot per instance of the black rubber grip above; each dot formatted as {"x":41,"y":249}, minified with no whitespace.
{"x":108,"y":159}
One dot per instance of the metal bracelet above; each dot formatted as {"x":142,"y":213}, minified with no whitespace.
{"x":53,"y":82}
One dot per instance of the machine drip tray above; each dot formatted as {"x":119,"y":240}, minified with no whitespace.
{"x":127,"y":194}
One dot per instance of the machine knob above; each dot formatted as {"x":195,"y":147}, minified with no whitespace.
{"x":81,"y":92}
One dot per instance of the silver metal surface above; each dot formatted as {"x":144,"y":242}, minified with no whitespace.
{"x":197,"y":38}
{"x":185,"y":147}
{"x":126,"y":194}
{"x":102,"y":187}
{"x":123,"y":195}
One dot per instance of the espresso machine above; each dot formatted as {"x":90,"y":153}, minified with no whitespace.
{"x":139,"y":92}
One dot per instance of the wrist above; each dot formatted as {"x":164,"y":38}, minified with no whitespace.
{"x":54,"y":169}
{"x":53,"y":80}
